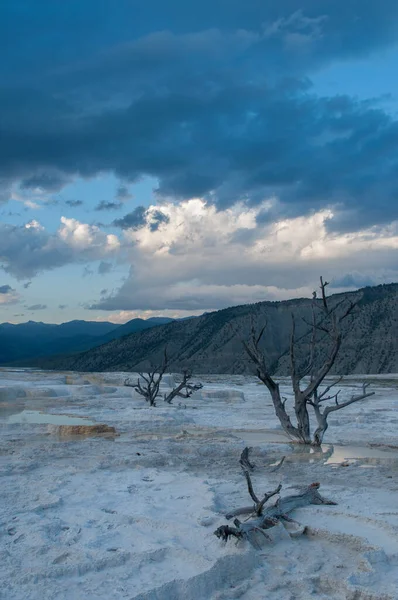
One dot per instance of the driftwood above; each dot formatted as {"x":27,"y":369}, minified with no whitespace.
{"x":262,"y":517}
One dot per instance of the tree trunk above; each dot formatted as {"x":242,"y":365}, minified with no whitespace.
{"x":329,"y":324}
{"x":322,"y":427}
{"x":303,"y":420}
{"x":281,"y":413}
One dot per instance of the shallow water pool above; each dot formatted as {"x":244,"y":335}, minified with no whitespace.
{"x":38,"y":417}
{"x":328,"y":454}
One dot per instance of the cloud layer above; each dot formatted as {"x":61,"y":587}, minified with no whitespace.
{"x":8,"y":295}
{"x":219,"y":107}
{"x":262,"y":182}
{"x":29,"y":249}
{"x":204,"y":258}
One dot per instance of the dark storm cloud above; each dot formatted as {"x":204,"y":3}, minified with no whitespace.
{"x":353,"y":280}
{"x":104,"y":267}
{"x":157,"y":217}
{"x":37,"y":307}
{"x":103,"y":205}
{"x":213,"y":102}
{"x":141,"y":217}
{"x":123,"y":193}
{"x":133,"y":220}
{"x":49,"y":182}
{"x":5,"y":289}
{"x":77,"y":30}
{"x":74,"y":203}
{"x":87,"y":271}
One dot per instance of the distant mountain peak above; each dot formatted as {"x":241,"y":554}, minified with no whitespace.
{"x":30,"y":340}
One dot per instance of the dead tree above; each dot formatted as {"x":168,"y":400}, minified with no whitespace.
{"x":307,"y":379}
{"x":262,"y":517}
{"x":322,"y":416}
{"x":184,"y":389}
{"x":148,"y":384}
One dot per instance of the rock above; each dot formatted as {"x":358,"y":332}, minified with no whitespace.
{"x":82,"y":430}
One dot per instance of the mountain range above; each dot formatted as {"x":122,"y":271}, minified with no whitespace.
{"x":28,"y":341}
{"x":211,"y":343}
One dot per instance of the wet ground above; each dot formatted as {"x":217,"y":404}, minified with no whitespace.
{"x":133,"y":516}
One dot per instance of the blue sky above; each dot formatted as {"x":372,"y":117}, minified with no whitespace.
{"x":199,"y":156}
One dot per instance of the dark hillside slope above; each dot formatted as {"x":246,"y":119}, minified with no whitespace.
{"x":211,"y":344}
{"x":32,"y":339}
{"x":23,"y":344}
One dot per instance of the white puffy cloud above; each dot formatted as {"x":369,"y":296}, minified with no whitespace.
{"x":26,"y":250}
{"x":198,"y":258}
{"x":202,"y":259}
{"x":82,"y":236}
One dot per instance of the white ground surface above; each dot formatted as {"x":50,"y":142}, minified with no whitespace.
{"x":133,"y":517}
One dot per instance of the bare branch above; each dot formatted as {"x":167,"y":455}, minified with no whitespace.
{"x":323,"y":291}
{"x":250,"y":487}
{"x":267,"y":496}
{"x":148,"y":384}
{"x":316,"y":326}
{"x":294,"y":374}
{"x":311,"y":357}
{"x":189,"y":388}
{"x":348,"y":311}
{"x":326,"y":398}
{"x":278,"y":465}
{"x":244,"y":460}
{"x":148,"y":378}
{"x":322,"y":417}
{"x":260,"y":335}
{"x":329,"y":387}
{"x":325,"y":368}
{"x":353,"y":399}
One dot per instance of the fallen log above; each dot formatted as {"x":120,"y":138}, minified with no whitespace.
{"x":265,"y":517}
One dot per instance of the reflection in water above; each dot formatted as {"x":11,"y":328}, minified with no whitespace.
{"x":328,"y":454}
{"x":39,"y":418}
{"x":341,"y":453}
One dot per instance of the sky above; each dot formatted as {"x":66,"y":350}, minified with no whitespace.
{"x":174,"y":158}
